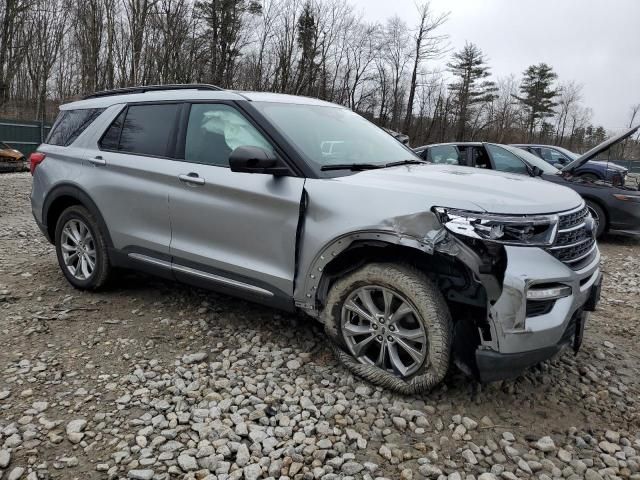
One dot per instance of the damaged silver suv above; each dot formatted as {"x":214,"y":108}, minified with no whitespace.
{"x":304,"y":205}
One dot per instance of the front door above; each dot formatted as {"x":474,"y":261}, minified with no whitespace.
{"x":233,"y":229}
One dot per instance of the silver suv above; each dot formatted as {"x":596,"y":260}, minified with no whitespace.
{"x":304,"y":205}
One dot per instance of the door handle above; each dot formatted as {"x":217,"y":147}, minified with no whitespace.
{"x":98,"y":160}
{"x":191,"y":178}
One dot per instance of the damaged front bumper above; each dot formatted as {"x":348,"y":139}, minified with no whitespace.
{"x":527,"y":328}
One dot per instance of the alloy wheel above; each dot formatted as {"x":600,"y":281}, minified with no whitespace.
{"x":78,"y":249}
{"x":382,"y":328}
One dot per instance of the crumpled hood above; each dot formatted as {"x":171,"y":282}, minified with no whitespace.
{"x":450,"y":186}
{"x":598,"y":149}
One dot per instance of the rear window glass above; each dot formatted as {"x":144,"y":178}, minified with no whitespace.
{"x":70,"y":124}
{"x":147,"y":129}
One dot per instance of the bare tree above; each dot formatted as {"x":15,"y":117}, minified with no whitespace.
{"x":46,"y":23}
{"x":13,"y":41}
{"x":428,"y":46}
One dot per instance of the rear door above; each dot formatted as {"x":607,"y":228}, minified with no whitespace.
{"x":231,"y":229}
{"x":131,"y":179}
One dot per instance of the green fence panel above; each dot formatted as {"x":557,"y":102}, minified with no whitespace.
{"x":23,"y":135}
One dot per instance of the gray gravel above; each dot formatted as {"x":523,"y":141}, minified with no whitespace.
{"x":153,"y":380}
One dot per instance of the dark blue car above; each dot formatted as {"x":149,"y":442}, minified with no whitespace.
{"x":592,"y":170}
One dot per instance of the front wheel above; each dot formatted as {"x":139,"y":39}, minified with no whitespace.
{"x":391,"y":326}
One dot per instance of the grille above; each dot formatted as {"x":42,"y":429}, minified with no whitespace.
{"x":575,"y":244}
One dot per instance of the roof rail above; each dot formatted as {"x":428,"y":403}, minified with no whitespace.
{"x":152,"y":88}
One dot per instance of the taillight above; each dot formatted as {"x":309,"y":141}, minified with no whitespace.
{"x":35,"y":159}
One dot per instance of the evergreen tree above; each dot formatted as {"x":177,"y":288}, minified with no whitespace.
{"x":307,"y":41}
{"x":471,"y":88}
{"x":538,"y":94}
{"x":224,"y":20}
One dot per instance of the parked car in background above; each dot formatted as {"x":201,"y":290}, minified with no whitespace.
{"x":592,"y":170}
{"x":305,"y":205}
{"x":11,"y":160}
{"x":615,"y":208}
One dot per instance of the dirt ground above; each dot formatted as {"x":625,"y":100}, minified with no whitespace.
{"x":153,"y":379}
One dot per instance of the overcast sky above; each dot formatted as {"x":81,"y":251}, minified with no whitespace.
{"x":595,"y":43}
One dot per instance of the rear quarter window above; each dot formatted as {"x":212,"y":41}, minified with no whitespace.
{"x":70,"y":124}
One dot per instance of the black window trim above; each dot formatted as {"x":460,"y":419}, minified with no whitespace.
{"x":171,"y":147}
{"x":296,"y":164}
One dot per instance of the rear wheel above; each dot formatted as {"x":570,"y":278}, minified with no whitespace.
{"x":391,"y":326}
{"x":81,"y":249}
{"x":598,"y":216}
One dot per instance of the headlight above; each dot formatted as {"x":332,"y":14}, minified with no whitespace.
{"x":534,"y":230}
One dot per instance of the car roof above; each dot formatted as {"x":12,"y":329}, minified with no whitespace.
{"x":185,"y":94}
{"x":533,"y":145}
{"x":469,"y":144}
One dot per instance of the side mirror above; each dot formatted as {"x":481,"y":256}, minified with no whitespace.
{"x":248,"y":159}
{"x":537,"y":171}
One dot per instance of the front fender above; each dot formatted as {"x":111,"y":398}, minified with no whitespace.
{"x":306,"y":293}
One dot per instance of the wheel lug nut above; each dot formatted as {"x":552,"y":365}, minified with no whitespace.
{"x":382,"y":320}
{"x":390,"y":338}
{"x":375,"y":327}
{"x":380,"y":337}
{"x":392,"y":328}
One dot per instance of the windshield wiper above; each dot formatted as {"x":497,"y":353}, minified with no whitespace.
{"x":351,"y":166}
{"x":413,"y":161}
{"x":370,"y":166}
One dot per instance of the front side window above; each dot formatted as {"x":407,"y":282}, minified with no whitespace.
{"x":147,"y":129}
{"x":215,"y":130}
{"x":328,"y":135}
{"x":553,"y":156}
{"x":446,"y":154}
{"x":506,"y":161}
{"x":70,"y":124}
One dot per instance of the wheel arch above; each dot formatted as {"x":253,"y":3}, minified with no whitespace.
{"x":64,"y":196}
{"x":602,"y":205}
{"x":351,"y":251}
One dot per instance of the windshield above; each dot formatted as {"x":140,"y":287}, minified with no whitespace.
{"x":568,"y":153}
{"x":532,"y":159}
{"x":328,"y":135}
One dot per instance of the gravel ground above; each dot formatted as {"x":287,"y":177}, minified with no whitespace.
{"x":155,"y":380}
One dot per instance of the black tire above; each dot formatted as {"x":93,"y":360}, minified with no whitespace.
{"x":599,"y":216}
{"x":590,"y":177}
{"x":100,"y":273}
{"x":432,"y":313}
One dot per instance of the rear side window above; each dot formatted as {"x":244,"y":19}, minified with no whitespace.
{"x":111,"y":138}
{"x":70,"y":124}
{"x":146,"y":129}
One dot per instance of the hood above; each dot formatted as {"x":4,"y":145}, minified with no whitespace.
{"x":10,"y":153}
{"x":595,"y":151}
{"x":449,"y":186}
